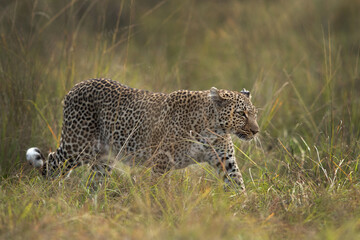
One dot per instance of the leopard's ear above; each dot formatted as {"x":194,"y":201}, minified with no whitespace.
{"x":214,"y":95}
{"x":246,"y":93}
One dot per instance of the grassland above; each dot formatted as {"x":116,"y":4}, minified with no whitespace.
{"x":300,"y":59}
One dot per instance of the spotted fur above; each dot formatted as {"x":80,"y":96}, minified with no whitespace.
{"x":164,"y":131}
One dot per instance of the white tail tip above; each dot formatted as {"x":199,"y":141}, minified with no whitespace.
{"x":34,"y":157}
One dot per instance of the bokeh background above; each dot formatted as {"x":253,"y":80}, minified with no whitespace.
{"x":299,"y":59}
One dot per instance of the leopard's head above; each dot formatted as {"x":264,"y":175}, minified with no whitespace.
{"x":235,"y":113}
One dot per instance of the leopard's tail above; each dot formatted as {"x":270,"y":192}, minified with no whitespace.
{"x":35,"y":157}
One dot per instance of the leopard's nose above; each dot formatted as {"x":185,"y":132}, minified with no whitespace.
{"x":254,"y":128}
{"x":254,"y":131}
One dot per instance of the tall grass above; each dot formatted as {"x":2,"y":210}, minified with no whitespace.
{"x":300,"y":59}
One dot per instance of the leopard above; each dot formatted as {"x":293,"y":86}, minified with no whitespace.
{"x":161,"y":131}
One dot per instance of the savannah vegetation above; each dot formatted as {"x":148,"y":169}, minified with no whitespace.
{"x":299,"y":59}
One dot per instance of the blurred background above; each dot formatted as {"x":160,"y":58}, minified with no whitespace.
{"x":300,"y":59}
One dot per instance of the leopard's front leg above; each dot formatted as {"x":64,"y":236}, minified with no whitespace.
{"x":222,"y":157}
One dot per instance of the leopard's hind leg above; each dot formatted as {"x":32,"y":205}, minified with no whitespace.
{"x":79,"y":137}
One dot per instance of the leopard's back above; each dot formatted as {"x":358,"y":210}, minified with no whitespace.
{"x":112,"y":115}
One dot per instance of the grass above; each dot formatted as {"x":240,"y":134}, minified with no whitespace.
{"x":300,"y":59}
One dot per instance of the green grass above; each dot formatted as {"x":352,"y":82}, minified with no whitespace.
{"x":300,"y":59}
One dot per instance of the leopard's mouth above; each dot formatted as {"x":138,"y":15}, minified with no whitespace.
{"x":244,"y":136}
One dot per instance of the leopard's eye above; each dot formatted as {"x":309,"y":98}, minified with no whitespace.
{"x":241,"y":112}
